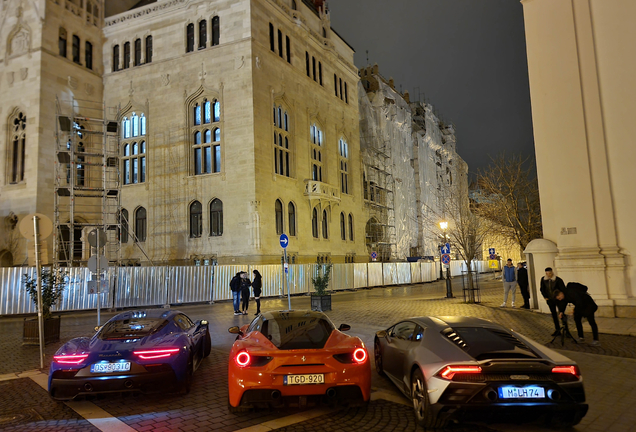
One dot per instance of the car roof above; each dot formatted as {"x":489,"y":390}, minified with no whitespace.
{"x":443,"y":322}
{"x":286,"y":314}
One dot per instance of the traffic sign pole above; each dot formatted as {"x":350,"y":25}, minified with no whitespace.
{"x":284,"y":242}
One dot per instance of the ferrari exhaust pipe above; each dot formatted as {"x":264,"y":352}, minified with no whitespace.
{"x":554,"y":395}
{"x":88,"y":387}
{"x":331,"y":393}
{"x":275,"y":394}
{"x":128,"y":384}
{"x":490,"y":394}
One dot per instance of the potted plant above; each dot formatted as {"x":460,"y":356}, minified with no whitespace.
{"x":53,"y":285}
{"x":320,"y":300}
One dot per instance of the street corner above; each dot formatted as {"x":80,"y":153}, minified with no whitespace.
{"x":26,"y":406}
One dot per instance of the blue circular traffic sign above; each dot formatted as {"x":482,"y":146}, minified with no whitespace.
{"x":493,"y":256}
{"x":446,"y":259}
{"x":284,"y":241}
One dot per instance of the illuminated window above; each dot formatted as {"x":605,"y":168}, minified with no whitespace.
{"x":343,"y":150}
{"x":316,"y":138}
{"x":133,"y":149}
{"x":206,"y":136}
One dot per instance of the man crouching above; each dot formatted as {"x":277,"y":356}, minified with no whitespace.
{"x":584,"y":307}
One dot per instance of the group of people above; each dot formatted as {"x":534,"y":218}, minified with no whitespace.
{"x":513,"y":276}
{"x":240,"y":286}
{"x":557,"y":296}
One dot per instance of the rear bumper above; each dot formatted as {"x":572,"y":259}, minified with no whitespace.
{"x":69,"y":388}
{"x":511,"y":412}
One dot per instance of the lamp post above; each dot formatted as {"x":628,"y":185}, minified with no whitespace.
{"x":449,"y":287}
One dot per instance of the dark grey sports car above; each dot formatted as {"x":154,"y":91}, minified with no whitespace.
{"x":462,"y":368}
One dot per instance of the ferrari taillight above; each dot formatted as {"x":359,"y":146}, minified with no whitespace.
{"x":70,"y":359}
{"x":572,"y":370}
{"x":243,"y":358}
{"x":360,"y":355}
{"x":158,"y":353}
{"x":450,"y":371}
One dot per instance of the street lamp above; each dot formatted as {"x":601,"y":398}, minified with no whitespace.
{"x":449,"y":287}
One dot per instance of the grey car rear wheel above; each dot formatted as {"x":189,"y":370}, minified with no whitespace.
{"x":377,"y":351}
{"x":421,"y":403}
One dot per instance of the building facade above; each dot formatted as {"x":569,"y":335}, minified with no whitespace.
{"x":583,"y":92}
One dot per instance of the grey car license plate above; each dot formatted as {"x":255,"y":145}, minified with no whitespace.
{"x":526,"y":392}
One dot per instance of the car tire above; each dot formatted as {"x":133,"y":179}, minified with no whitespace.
{"x":377,"y":353}
{"x":187,"y":381}
{"x":236,"y":410}
{"x":207,"y":344}
{"x":422,"y":403}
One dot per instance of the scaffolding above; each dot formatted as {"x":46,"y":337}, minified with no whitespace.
{"x":87,"y":187}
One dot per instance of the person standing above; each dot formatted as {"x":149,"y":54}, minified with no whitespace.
{"x":245,"y":292}
{"x":509,"y":282}
{"x":257,"y":284}
{"x":549,"y":283}
{"x":235,"y":286}
{"x":522,"y":280}
{"x":584,"y":307}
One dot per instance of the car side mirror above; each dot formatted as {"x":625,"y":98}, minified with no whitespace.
{"x":96,"y":329}
{"x":235,"y":330}
{"x":344,"y":327}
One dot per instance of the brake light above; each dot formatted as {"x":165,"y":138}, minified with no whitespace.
{"x":243,"y":358}
{"x":360,"y":355}
{"x":156,"y":353}
{"x":449,"y":371}
{"x":572,"y":370}
{"x":70,"y":359}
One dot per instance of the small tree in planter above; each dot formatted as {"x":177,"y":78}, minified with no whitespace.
{"x":53,"y":285}
{"x":320,"y":300}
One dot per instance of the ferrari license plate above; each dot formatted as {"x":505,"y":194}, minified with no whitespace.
{"x":304,"y":379}
{"x":110,"y":367}
{"x":528,"y":392}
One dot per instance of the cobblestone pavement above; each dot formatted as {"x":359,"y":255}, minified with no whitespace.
{"x":608,"y":370}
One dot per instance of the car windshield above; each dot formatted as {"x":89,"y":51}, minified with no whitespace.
{"x":131,"y":328}
{"x":484,"y":343}
{"x":289,"y":333}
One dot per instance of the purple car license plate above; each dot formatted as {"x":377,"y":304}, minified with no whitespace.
{"x":110,"y":367}
{"x":527,"y":392}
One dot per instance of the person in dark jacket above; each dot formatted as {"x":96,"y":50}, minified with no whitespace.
{"x":245,"y":292}
{"x":549,"y":283}
{"x":522,"y":280}
{"x":584,"y":307}
{"x":235,"y":286}
{"x":257,"y":284}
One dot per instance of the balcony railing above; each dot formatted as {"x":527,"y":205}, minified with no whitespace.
{"x":322,"y":192}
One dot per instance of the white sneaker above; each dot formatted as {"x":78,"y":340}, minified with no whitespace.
{"x":503,"y":305}
{"x":581,"y":340}
{"x":512,"y":304}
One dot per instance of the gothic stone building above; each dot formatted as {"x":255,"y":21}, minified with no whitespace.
{"x":238,"y":121}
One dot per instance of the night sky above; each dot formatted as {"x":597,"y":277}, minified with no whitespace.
{"x":468,"y":58}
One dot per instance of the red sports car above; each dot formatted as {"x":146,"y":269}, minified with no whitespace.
{"x":296,"y":357}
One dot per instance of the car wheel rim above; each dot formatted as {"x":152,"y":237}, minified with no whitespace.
{"x":378,"y":357}
{"x":419,"y":394}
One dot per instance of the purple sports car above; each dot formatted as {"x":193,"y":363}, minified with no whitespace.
{"x":134,"y":351}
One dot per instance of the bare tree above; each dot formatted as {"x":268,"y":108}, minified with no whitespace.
{"x":508,"y":196}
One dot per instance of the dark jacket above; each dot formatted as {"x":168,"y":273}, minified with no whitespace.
{"x":522,"y":277}
{"x":547,"y":291}
{"x":257,"y":284}
{"x":245,"y":285}
{"x":576,"y":294}
{"x":235,"y":283}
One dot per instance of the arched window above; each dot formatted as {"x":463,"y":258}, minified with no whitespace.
{"x":142,"y":118}
{"x":282,"y":156}
{"x":126,"y":55}
{"x":190,"y":38}
{"x":88,"y":55}
{"x":294,"y":7}
{"x":216,"y":217}
{"x":350,"y":227}
{"x":307,"y":63}
{"x":203,"y":34}
{"x":206,"y":145}
{"x":288,"y":49}
{"x":137,"y":52}
{"x":343,"y":150}
{"x":196,"y":219}
{"x":216,"y":31}
{"x":280,"y":43}
{"x":325,"y":230}
{"x":148,"y":49}
{"x":314,"y":223}
{"x":17,"y":126}
{"x":343,"y":233}
{"x":62,"y":42}
{"x":115,"y":58}
{"x":135,"y":124}
{"x":123,"y":222}
{"x":316,"y":152}
{"x":140,"y":224}
{"x":279,"y":216}
{"x":272,"y":41}
{"x":291,"y":217}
